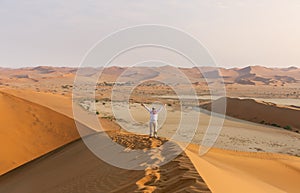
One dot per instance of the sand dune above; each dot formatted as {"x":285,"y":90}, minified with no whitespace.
{"x":253,"y":75}
{"x":75,"y":169}
{"x":58,"y":103}
{"x":55,"y":102}
{"x":260,"y":112}
{"x":29,"y":130}
{"x":233,"y":171}
{"x":250,"y":75}
{"x":72,"y":168}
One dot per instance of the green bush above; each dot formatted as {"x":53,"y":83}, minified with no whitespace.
{"x":288,"y":127}
{"x":275,"y":125}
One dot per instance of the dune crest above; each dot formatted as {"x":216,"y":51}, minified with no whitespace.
{"x":29,"y":130}
{"x":75,"y":169}
{"x":259,"y":112}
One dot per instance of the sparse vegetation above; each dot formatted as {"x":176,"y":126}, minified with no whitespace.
{"x":110,"y":117}
{"x":275,"y":125}
{"x":106,"y":99}
{"x":97,"y":113}
{"x":66,"y":86}
{"x":270,"y":124}
{"x":288,"y":128}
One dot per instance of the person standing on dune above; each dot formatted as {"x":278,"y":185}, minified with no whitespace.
{"x":153,"y":119}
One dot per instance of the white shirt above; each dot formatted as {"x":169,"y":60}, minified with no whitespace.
{"x":153,"y":113}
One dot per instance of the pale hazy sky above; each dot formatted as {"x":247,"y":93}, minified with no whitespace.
{"x":237,"y":32}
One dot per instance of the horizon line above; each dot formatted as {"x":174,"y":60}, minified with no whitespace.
{"x":156,"y":66}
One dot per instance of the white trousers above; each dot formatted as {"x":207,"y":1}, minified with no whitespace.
{"x":153,"y":127}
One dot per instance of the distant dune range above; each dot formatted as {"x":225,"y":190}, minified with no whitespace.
{"x":251,"y":75}
{"x":251,"y":81}
{"x":259,"y":112}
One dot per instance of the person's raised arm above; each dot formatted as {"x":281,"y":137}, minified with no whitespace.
{"x":147,"y":108}
{"x":161,"y":107}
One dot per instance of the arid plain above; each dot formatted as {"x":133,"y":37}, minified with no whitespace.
{"x":257,"y":149}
